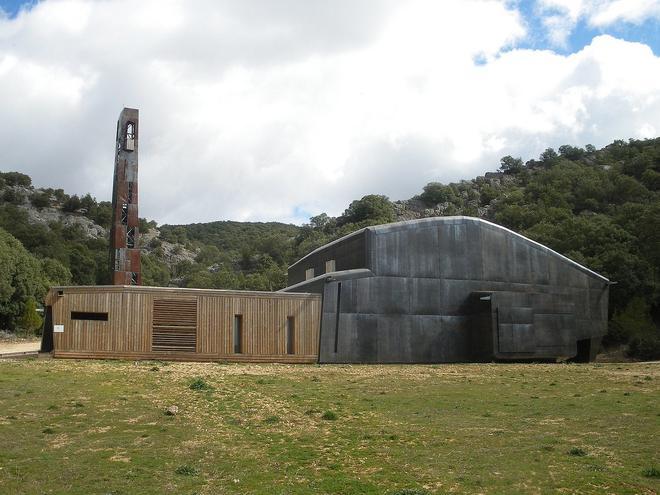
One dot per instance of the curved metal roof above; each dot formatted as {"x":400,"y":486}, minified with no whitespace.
{"x":429,"y":222}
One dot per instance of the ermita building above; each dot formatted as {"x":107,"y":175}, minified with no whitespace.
{"x":437,"y":290}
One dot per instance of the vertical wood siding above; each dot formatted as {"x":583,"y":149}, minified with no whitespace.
{"x":128,"y":331}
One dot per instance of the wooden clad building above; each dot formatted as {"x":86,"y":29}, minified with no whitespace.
{"x":131,"y":322}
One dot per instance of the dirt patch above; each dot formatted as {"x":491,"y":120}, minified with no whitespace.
{"x":7,"y":347}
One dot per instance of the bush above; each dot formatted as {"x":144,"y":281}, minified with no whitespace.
{"x":651,"y":472}
{"x":409,"y":491}
{"x":199,"y":384}
{"x":72,"y":204}
{"x":372,"y":209}
{"x":646,"y":347}
{"x":186,"y":470}
{"x":635,"y":326}
{"x":577,"y":452}
{"x":12,"y":196}
{"x":16,"y":179}
{"x":511,"y":165}
{"x":329,"y":415}
{"x":40,"y":200}
{"x":435,"y":193}
{"x":30,"y":320}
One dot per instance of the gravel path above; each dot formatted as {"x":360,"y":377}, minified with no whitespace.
{"x":23,"y":346}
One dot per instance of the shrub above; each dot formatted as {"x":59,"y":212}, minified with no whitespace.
{"x":372,"y":209}
{"x":30,"y":320}
{"x":329,"y":415}
{"x":186,"y":470}
{"x":409,"y":491}
{"x":645,"y":347}
{"x":651,"y":472}
{"x":199,"y":384}
{"x":577,"y":452}
{"x":635,"y":325}
{"x":436,"y":192}
{"x":12,"y":196}
{"x":40,"y":200}
{"x":72,"y":204}
{"x":16,"y":179}
{"x":272,"y":420}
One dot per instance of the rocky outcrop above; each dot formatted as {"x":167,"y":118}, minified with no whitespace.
{"x":46,"y":216}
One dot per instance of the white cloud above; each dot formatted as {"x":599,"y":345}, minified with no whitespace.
{"x":560,"y":17}
{"x":260,"y":110}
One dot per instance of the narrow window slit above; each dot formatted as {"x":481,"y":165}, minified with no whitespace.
{"x":238,"y":334}
{"x":290,"y":335}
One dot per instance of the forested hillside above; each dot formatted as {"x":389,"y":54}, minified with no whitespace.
{"x":598,"y":207}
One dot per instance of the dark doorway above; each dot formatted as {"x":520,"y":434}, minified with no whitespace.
{"x":583,"y":351}
{"x":47,"y":332}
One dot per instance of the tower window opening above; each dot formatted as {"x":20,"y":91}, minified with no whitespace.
{"x":130,"y":237}
{"x":134,"y":278}
{"x":118,"y":260}
{"x":129,"y":194}
{"x":129,"y":137}
{"x":124,"y":214}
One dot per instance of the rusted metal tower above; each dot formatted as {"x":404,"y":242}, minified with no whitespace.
{"x":124,"y":233}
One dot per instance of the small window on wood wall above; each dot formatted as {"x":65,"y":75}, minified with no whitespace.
{"x":290,"y":335}
{"x":86,"y":315}
{"x":238,"y":334}
{"x":309,"y":273}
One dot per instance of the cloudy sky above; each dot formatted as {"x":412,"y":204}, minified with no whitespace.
{"x":282,"y":109}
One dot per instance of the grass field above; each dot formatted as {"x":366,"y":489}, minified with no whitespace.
{"x":88,"y":427}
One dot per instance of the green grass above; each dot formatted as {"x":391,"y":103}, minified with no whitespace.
{"x":98,"y":427}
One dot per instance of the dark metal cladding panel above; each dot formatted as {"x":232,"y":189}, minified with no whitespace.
{"x":406,"y":253}
{"x":521,"y":266}
{"x":382,"y":295}
{"x":457,"y":289}
{"x":348,"y":255}
{"x":554,"y":330}
{"x":426,"y":296}
{"x":495,"y":263}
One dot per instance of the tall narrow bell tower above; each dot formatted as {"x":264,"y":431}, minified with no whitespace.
{"x":124,"y":233}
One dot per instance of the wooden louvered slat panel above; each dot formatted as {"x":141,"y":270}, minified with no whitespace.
{"x":174,"y":325}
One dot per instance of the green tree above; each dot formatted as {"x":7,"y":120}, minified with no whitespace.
{"x":40,"y":199}
{"x":436,"y":193}
{"x":55,"y":273}
{"x":72,"y":204}
{"x":372,"y":209}
{"x":16,"y":179}
{"x":20,"y":280}
{"x":30,"y":320}
{"x":511,"y":165}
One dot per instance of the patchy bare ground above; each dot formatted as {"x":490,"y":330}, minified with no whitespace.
{"x":80,"y":427}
